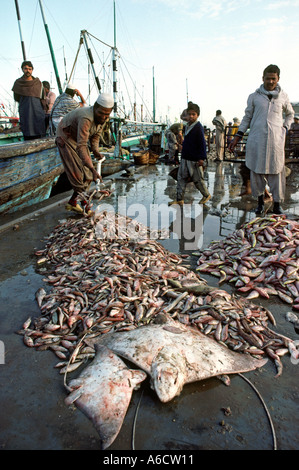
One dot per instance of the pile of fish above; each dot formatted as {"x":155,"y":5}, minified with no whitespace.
{"x":104,"y":284}
{"x":261,"y":259}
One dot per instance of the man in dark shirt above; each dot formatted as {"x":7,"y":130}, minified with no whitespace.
{"x":194,"y":154}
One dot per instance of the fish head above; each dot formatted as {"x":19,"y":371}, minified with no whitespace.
{"x":168,"y":374}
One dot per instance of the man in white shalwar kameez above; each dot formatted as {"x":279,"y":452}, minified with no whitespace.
{"x":265,"y":155}
{"x":220,"y":124}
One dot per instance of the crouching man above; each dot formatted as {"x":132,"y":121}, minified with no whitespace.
{"x":76,"y":131}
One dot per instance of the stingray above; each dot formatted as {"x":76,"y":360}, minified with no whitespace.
{"x":174,"y":354}
{"x":103,"y":393}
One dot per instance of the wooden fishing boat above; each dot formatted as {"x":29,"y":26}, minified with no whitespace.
{"x":109,"y":167}
{"x":10,"y":137}
{"x":9,"y":129}
{"x":28,"y":171}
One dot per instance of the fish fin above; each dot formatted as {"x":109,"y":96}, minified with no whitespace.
{"x":137,"y":376}
{"x":73,"y":396}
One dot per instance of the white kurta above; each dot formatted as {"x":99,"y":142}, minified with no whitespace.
{"x":266,"y":140}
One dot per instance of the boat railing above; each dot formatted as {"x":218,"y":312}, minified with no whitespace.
{"x":292,"y":145}
{"x":240,"y":149}
{"x":125,"y":128}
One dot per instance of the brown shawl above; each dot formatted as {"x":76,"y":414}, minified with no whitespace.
{"x":28,"y":87}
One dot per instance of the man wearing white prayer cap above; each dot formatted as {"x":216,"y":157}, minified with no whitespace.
{"x":105,"y":100}
{"x":76,"y":132}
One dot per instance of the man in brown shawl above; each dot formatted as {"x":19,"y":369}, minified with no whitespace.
{"x":76,"y":131}
{"x":28,"y":92}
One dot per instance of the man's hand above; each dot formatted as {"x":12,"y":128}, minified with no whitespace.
{"x":233,"y":144}
{"x":96,"y":176}
{"x":200,"y":162}
{"x":98,"y":156}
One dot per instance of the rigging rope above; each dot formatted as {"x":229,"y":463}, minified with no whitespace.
{"x":266,"y":409}
{"x":246,"y":380}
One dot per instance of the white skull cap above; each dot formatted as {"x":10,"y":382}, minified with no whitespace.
{"x":71,"y":86}
{"x":105,"y":100}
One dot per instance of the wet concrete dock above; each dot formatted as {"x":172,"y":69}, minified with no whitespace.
{"x":33,"y":413}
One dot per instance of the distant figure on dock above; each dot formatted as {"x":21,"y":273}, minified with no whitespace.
{"x":295,"y":124}
{"x":184,"y":116}
{"x":236,"y":123}
{"x":50,"y":98}
{"x":194,"y":154}
{"x":294,"y":136}
{"x":174,"y":141}
{"x":229,"y":138}
{"x":76,"y":131}
{"x":65,"y":103}
{"x":265,"y":154}
{"x":29,"y":93}
{"x":233,"y":129}
{"x":220,"y":124}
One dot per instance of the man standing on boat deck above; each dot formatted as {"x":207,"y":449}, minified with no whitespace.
{"x":194,"y":153}
{"x":265,"y":155}
{"x":50,"y":98}
{"x":75,"y":132}
{"x":29,"y":93}
{"x":65,"y":103}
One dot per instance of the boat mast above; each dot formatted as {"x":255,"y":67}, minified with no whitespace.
{"x":91,"y":61}
{"x":114,"y":52}
{"x":154,"y":97}
{"x":187,"y":91}
{"x":51,"y":48}
{"x":20,"y":30}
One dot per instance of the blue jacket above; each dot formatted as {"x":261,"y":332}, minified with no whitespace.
{"x":194,"y":145}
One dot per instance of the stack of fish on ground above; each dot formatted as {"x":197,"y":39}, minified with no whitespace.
{"x":100,"y":285}
{"x":261,"y":259}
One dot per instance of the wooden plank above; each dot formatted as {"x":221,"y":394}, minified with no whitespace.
{"x":18,"y":169}
{"x":29,"y":192}
{"x":26,"y":147}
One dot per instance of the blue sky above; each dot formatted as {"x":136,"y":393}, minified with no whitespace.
{"x":214,"y":51}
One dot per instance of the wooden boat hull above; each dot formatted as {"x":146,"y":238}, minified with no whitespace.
{"x":10,"y":138}
{"x":28,"y":171}
{"x":128,"y":142}
{"x":109,"y":167}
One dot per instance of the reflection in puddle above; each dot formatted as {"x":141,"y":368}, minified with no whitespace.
{"x":145,"y":196}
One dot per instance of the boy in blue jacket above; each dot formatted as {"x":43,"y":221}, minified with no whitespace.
{"x":192,"y":159}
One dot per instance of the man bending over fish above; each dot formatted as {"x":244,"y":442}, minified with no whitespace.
{"x":75,"y":131}
{"x":265,"y":156}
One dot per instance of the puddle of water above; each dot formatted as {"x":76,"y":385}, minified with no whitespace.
{"x":145,"y":199}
